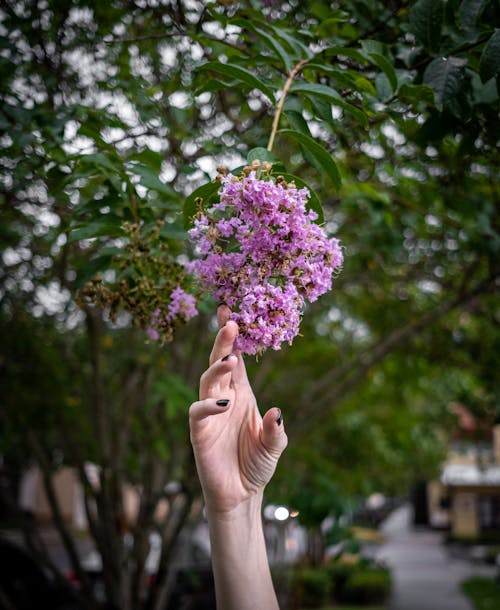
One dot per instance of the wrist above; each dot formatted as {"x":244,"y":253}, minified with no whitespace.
{"x":248,"y":510}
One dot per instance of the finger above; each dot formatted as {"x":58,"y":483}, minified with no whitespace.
{"x":240,"y":372}
{"x":223,"y":313}
{"x":210,"y":406}
{"x":213,"y":377}
{"x":273,"y":432}
{"x":224,"y":341}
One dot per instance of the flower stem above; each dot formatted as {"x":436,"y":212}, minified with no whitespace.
{"x":295,"y":70}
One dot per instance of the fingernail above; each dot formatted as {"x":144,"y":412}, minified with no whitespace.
{"x":226,"y":358}
{"x":222,"y":402}
{"x":221,"y":303}
{"x":279,"y":419}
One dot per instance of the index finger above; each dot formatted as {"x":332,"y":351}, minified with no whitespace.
{"x":223,"y":313}
{"x":224,"y":341}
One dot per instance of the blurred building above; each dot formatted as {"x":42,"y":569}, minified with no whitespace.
{"x":69,"y":495}
{"x":466,"y":498}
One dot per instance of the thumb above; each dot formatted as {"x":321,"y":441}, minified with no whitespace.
{"x":273,"y":432}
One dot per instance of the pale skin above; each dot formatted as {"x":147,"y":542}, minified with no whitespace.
{"x":236,"y":452}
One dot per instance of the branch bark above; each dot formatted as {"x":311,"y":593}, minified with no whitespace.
{"x":58,"y":518}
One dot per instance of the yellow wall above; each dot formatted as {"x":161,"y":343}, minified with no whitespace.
{"x":464,"y":518}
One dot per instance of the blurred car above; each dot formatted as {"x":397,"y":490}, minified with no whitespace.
{"x":25,"y":584}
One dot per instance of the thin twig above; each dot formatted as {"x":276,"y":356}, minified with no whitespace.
{"x":281,"y":102}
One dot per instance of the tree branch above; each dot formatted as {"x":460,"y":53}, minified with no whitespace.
{"x":58,"y":517}
{"x":324,"y":394}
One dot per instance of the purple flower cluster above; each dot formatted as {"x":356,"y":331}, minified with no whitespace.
{"x":182,"y":306}
{"x":263,"y":255}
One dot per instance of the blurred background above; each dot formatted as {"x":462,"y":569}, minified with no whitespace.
{"x":112,"y":115}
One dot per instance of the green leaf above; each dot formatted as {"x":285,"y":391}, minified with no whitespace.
{"x":446,"y":77}
{"x":386,"y":67}
{"x":99,"y":160}
{"x":291,"y":39}
{"x":323,"y":159}
{"x":173,"y":231}
{"x":383,"y":87}
{"x":342,"y":52}
{"x":89,"y":268}
{"x":426,"y":21}
{"x":260,"y":154}
{"x":298,"y":122}
{"x":241,"y":74}
{"x":489,"y":64}
{"x":470,"y":11}
{"x":149,"y":178}
{"x":205,"y":192}
{"x":98,"y":228}
{"x":484,"y":93}
{"x":329,"y":27}
{"x":418,"y":93}
{"x":210,"y":85}
{"x":272,"y":42}
{"x":327,"y":93}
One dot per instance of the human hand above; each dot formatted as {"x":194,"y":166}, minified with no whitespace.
{"x":236,"y":450}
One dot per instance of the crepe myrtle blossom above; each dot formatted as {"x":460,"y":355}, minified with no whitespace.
{"x":181,"y":307}
{"x":262,"y":254}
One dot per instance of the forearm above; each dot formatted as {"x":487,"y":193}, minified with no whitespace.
{"x":239,"y":559}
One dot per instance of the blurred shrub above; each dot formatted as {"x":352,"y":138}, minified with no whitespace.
{"x":311,"y":587}
{"x":370,"y":585}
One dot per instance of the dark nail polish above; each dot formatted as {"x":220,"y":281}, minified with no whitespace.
{"x":226,"y":358}
{"x":222,"y":403}
{"x":279,"y":419}
{"x":221,"y":303}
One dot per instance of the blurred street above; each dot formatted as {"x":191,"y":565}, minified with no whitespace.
{"x":425,"y":575}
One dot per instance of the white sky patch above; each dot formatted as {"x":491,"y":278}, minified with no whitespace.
{"x":168,"y":172}
{"x":375,"y":151}
{"x":52,"y":298}
{"x":179,"y":99}
{"x":391,"y":133}
{"x":207,"y":164}
{"x":254,"y":104}
{"x":11,"y":257}
{"x":80,"y":16}
{"x":410,"y":172}
{"x":337,"y":112}
{"x":429,"y":286}
{"x":213,"y":28}
{"x":154,"y":143}
{"x":75,"y":318}
{"x":477,"y":168}
{"x":44,"y":217}
{"x":386,"y":178}
{"x":358,"y":329}
{"x":203,"y":98}
{"x":168,"y":56}
{"x":334,"y":314}
{"x":89,"y":68}
{"x":196,"y":51}
{"x":189,"y":148}
{"x":432,"y":221}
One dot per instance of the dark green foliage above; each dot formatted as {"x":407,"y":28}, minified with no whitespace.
{"x":310,"y":588}
{"x":367,"y":586}
{"x":483,"y":592}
